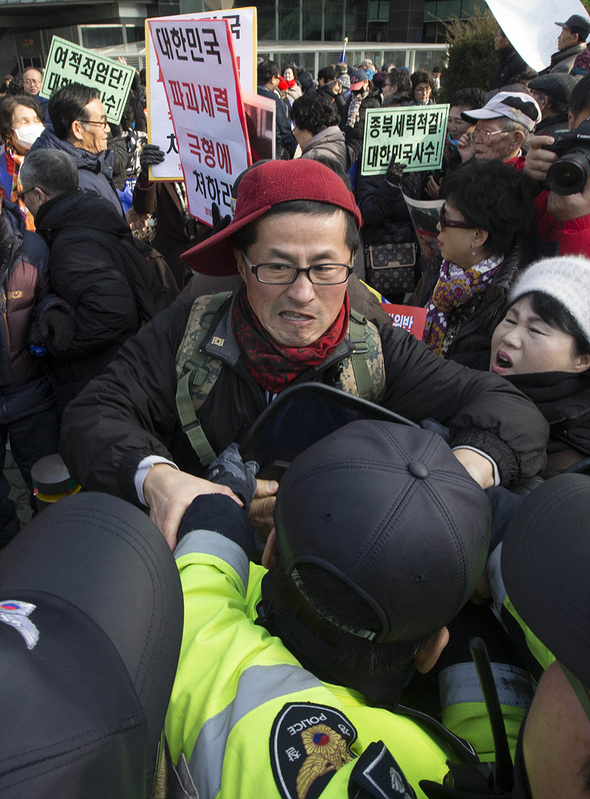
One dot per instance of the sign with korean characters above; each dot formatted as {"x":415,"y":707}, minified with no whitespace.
{"x":414,"y":135}
{"x":243,"y":26}
{"x":198,"y":67}
{"x":70,"y":63}
{"x":409,"y":317}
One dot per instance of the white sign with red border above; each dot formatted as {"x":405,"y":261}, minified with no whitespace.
{"x":198,"y":67}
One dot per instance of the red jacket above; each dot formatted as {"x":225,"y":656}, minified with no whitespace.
{"x":569,"y":237}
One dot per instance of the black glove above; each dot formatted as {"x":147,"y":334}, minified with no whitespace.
{"x":221,"y":514}
{"x":57,"y":329}
{"x":229,"y":469}
{"x":150,"y":155}
{"x":219,"y":224}
{"x":395,"y":173}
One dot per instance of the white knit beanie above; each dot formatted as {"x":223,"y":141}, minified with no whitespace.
{"x":566,"y":278}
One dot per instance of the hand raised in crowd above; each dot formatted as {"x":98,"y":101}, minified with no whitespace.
{"x":263,"y":505}
{"x":466,"y":147}
{"x":150,"y":155}
{"x":538,"y":160}
{"x":433,"y":188}
{"x":570,"y":206}
{"x":169,"y":493}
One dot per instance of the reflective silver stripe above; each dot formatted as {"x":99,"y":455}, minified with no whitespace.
{"x":257,"y":685}
{"x":459,"y":684}
{"x":208,"y":542}
{"x":498,"y":589}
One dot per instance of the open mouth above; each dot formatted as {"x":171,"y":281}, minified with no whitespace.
{"x":502,"y":362}
{"x":293,"y":316}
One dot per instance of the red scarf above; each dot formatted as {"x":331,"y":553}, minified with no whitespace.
{"x":273,"y":366}
{"x":290,"y":83}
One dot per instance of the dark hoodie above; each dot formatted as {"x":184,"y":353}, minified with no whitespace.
{"x":95,"y":172}
{"x":88,"y":268}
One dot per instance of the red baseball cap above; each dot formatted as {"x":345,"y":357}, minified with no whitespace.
{"x":261,"y":188}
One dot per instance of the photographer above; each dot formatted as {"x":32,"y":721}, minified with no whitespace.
{"x":563,"y":220}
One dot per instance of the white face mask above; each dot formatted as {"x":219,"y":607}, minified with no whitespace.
{"x":28,"y":134}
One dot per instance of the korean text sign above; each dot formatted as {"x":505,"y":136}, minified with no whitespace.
{"x":198,"y":68}
{"x":243,"y":25}
{"x":409,"y":317}
{"x":70,"y":63}
{"x":413,"y":135}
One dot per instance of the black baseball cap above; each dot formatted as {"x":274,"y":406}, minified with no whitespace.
{"x":390,"y":511}
{"x":545,"y":566}
{"x":576,"y":23}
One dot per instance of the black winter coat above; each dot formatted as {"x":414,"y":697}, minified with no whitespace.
{"x":129,"y":412}
{"x":87,"y":268}
{"x":472,"y":325}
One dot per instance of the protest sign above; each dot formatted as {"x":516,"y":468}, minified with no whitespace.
{"x":530,"y":25}
{"x":261,"y":122}
{"x":243,"y":26}
{"x":425,"y":215}
{"x":409,"y":317}
{"x":70,"y":63}
{"x":413,"y":135}
{"x":198,"y":68}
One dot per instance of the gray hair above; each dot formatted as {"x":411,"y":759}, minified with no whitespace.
{"x":54,"y":171}
{"x":511,"y":124}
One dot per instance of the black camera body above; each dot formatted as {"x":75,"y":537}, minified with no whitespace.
{"x":569,"y":174}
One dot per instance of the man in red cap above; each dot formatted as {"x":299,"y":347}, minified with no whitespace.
{"x":292,"y":241}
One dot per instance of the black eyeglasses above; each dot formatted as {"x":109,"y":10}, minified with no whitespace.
{"x":101,"y":122}
{"x":283,"y":274}
{"x":446,"y":222}
{"x":21,"y":195}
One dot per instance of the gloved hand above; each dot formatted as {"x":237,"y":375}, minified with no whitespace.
{"x":57,"y":329}
{"x":395,"y":173}
{"x":150,"y":155}
{"x":219,"y":224}
{"x":229,"y":469}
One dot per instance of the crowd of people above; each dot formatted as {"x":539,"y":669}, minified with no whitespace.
{"x":331,"y":592}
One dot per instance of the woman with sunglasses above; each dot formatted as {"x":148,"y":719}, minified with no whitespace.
{"x":487,"y":213}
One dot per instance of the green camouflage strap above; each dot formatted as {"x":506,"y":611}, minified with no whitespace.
{"x":364,"y":372}
{"x":197,"y":372}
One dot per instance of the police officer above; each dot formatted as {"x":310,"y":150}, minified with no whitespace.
{"x":539,"y":583}
{"x":289,"y":679}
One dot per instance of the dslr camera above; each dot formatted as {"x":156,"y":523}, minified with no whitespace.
{"x":569,"y":174}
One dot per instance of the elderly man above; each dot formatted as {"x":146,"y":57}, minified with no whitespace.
{"x":292,"y":241}
{"x":502,"y":128}
{"x":32,"y":80}
{"x":552,"y":93}
{"x":570,"y":43}
{"x":80,"y":128}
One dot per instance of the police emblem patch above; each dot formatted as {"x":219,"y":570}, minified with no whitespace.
{"x":14,"y":613}
{"x":308,"y":744}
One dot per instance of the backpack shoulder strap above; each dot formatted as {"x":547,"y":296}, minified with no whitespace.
{"x":363,"y":373}
{"x":197,"y":372}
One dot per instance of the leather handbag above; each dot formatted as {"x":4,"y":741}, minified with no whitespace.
{"x":390,"y":268}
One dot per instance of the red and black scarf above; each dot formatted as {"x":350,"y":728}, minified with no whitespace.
{"x":273,"y":366}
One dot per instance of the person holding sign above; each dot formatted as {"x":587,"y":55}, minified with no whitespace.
{"x":292,"y":241}
{"x":80,"y":128}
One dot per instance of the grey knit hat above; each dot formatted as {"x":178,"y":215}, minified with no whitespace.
{"x":566,"y":278}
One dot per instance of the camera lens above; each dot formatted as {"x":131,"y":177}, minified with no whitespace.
{"x":569,"y":174}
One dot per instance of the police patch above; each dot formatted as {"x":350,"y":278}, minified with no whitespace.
{"x":308,"y":744}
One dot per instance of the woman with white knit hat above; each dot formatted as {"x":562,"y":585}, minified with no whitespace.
{"x":542,"y":345}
